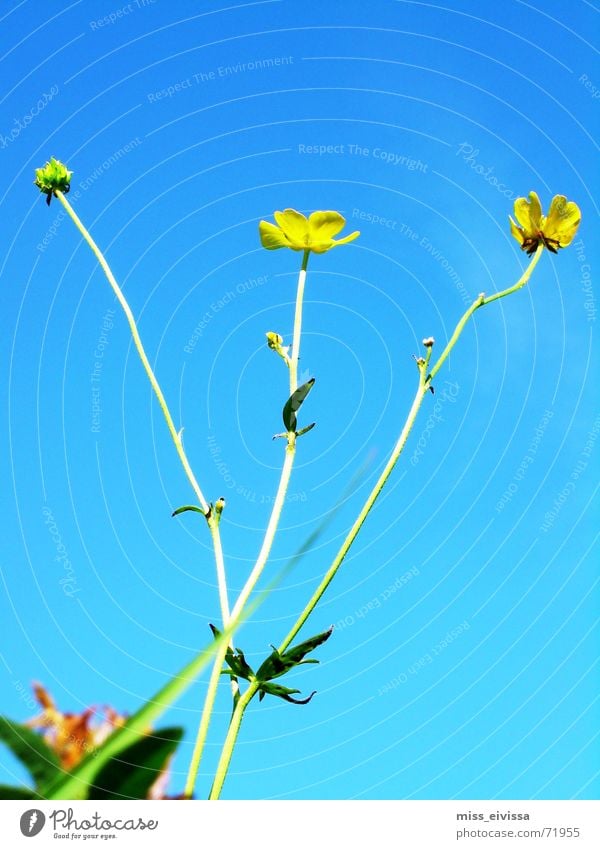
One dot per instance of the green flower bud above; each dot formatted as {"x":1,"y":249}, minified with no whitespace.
{"x":54,"y":176}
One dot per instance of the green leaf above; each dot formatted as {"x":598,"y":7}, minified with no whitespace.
{"x":274,"y":666}
{"x":187,"y":508}
{"x":237,"y":663}
{"x":74,"y":785}
{"x":283,"y":693}
{"x":134,"y":771}
{"x":297,"y":653}
{"x":305,"y":429}
{"x":278,"y":664}
{"x":29,"y":747}
{"x":293,"y":404}
{"x":7,"y":791}
{"x":238,"y":667}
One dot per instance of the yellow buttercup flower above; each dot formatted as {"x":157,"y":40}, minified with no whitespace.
{"x":555,"y":230}
{"x":300,"y":233}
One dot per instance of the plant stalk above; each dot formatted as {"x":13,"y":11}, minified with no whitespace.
{"x":425,"y":379}
{"x":263,"y":555}
{"x":230,"y":741}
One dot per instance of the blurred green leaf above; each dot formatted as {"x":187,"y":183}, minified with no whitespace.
{"x":9,"y":792}
{"x":293,"y":404}
{"x":29,"y":747}
{"x":134,"y":771}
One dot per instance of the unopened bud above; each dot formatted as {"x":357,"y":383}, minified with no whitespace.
{"x":275,"y":343}
{"x":274,"y":340}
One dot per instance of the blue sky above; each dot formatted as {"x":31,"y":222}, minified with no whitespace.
{"x":464,"y":659}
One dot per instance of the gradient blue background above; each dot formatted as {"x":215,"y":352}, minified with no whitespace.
{"x":508,"y":709}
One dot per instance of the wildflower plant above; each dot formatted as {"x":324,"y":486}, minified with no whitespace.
{"x":304,"y":235}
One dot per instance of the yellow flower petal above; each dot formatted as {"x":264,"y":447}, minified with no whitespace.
{"x":535,"y":212}
{"x":346,"y":239}
{"x":516,"y":231}
{"x":529,"y":214}
{"x":562,"y":221}
{"x":295,"y":227}
{"x":299,"y":233}
{"x":271,"y":236}
{"x":323,"y":226}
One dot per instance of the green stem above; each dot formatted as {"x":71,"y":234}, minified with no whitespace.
{"x":76,"y":784}
{"x":220,"y":567}
{"x":295,"y":355}
{"x":290,"y":452}
{"x":175,"y":436}
{"x":230,"y":741}
{"x":209,"y":701}
{"x":263,"y":555}
{"x":480,"y":302}
{"x":425,"y":378}
{"x":352,"y":534}
{"x":245,"y":700}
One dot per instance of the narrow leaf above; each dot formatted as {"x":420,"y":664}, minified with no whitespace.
{"x":74,"y":785}
{"x":285,"y":693}
{"x":277,"y":689}
{"x":304,"y":430}
{"x":236,"y":662}
{"x":297,"y":653}
{"x":187,"y":508}
{"x":293,"y":404}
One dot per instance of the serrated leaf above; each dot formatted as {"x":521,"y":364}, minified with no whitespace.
{"x":187,"y":508}
{"x":30,"y":748}
{"x":293,"y":404}
{"x":9,"y":792}
{"x":134,"y":771}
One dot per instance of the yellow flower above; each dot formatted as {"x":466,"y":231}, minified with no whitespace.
{"x":300,"y":233}
{"x":555,"y":230}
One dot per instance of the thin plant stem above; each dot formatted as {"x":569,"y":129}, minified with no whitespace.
{"x":175,"y":435}
{"x":425,"y":378}
{"x":231,"y":739}
{"x":290,"y":452}
{"x":366,"y":509}
{"x":295,"y":355}
{"x":481,"y":301}
{"x":209,"y":701}
{"x":263,"y":555}
{"x":220,"y":567}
